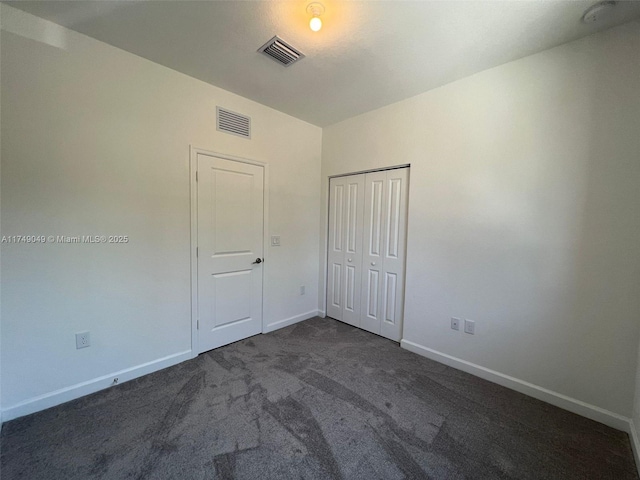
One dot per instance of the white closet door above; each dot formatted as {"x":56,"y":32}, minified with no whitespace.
{"x":395,"y":231}
{"x":373,"y":249}
{"x":335,"y":270}
{"x":367,"y":236}
{"x":353,"y":226}
{"x":346,"y":209}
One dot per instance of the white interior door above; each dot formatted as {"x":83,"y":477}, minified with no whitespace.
{"x":346,"y":214}
{"x":230,"y":250}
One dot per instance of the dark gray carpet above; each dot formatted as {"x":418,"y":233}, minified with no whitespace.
{"x":317,"y":400}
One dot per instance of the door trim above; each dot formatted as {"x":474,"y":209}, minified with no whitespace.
{"x":382,"y":169}
{"x":193,"y":193}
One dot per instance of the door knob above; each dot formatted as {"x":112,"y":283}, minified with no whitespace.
{"x":373,"y":264}
{"x":258,"y":260}
{"x":348,"y":259}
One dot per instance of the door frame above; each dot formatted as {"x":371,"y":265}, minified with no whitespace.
{"x":325,"y":270}
{"x":193,"y":193}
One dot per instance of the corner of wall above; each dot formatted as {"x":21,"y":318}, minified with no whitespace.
{"x":559,"y":400}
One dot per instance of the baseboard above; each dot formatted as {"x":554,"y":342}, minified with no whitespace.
{"x":52,"y":399}
{"x":289,"y":321}
{"x":635,"y":443}
{"x":91,"y":386}
{"x":559,"y":400}
{"x":322,"y":313}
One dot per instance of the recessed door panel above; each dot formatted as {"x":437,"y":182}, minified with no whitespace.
{"x":336,"y":280}
{"x":350,"y":290}
{"x":352,"y":219}
{"x":232,"y":212}
{"x":393,"y":217}
{"x":232,"y":293}
{"x":375,"y":218}
{"x":337,"y":216}
{"x":390,"y":296}
{"x":373,"y":287}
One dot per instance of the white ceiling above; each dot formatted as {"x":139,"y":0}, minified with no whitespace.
{"x":367,"y":55}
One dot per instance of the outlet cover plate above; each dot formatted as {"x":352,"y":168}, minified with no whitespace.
{"x":469,"y":327}
{"x":455,"y":323}
{"x":83,"y":340}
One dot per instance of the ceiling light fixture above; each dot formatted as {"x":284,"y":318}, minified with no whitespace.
{"x":597,"y":11}
{"x":315,"y":9}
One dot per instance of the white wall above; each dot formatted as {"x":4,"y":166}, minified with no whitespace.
{"x":96,"y":141}
{"x":523,"y":214}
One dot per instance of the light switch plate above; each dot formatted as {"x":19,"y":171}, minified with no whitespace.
{"x":275,"y":240}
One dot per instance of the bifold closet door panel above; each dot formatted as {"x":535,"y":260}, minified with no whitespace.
{"x":335,"y":254}
{"x":346,"y":211}
{"x":373,"y":249}
{"x":353,"y":227}
{"x":366,"y":253}
{"x":394,"y":253}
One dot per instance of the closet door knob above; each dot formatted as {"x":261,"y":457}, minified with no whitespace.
{"x":348,"y":259}
{"x":373,"y":264}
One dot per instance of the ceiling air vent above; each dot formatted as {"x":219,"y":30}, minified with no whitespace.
{"x":281,"y":51}
{"x":233,"y":123}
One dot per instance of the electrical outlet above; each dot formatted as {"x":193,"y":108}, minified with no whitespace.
{"x":275,"y":240}
{"x":455,"y":323}
{"x":302,"y":289}
{"x":469,"y":327}
{"x":83,"y":340}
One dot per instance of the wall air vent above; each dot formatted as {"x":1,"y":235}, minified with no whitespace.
{"x":281,"y":51}
{"x":233,"y":123}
